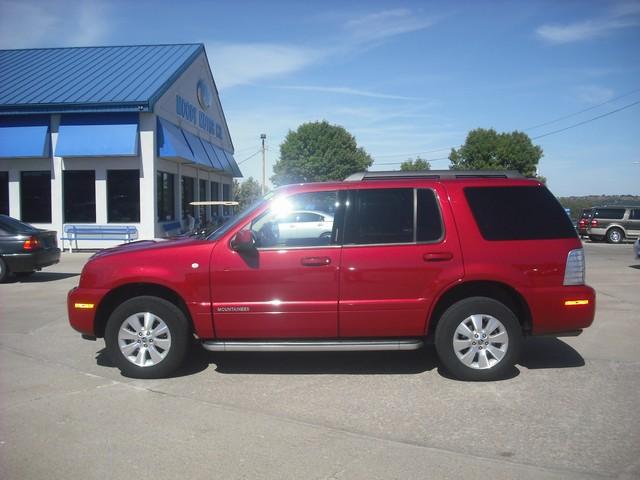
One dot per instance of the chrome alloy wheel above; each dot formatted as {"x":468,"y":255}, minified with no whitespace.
{"x":144,"y":339}
{"x":480,"y":341}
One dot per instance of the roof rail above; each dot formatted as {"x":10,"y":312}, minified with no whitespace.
{"x":432,"y":174}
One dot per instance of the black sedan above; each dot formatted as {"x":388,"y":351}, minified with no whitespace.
{"x":24,"y":248}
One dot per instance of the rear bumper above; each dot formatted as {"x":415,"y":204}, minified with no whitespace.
{"x":82,"y":305}
{"x":28,"y":262}
{"x":559,"y":310}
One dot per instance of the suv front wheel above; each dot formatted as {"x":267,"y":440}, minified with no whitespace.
{"x":478,"y":339}
{"x":147,"y":337}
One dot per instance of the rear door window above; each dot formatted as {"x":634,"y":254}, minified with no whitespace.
{"x":518,"y":213}
{"x":392,"y":216}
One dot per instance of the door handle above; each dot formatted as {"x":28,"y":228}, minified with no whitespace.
{"x":315,"y":261}
{"x":437,"y":256}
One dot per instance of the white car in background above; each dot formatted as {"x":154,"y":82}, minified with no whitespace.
{"x":301,"y":224}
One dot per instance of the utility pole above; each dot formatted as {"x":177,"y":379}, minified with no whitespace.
{"x":263,"y":137}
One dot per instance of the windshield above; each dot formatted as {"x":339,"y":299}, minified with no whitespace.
{"x":216,"y":234}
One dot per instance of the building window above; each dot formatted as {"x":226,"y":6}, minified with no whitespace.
{"x":202,"y":196}
{"x":215,"y":196}
{"x":166,"y":196}
{"x":4,"y":193}
{"x":226,"y":196}
{"x":35,"y":197}
{"x":123,"y":196}
{"x":188,"y":196}
{"x":79,"y":196}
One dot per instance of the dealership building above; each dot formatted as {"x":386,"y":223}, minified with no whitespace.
{"x":113,"y":136}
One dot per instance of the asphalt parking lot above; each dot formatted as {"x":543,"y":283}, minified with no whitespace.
{"x":570,"y":410}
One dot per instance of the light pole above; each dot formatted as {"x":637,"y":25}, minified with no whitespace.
{"x":263,"y":137}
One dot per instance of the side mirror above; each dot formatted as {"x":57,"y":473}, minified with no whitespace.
{"x":244,"y":241}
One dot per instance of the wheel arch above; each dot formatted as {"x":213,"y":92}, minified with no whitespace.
{"x":131,"y":290}
{"x":482,"y":288}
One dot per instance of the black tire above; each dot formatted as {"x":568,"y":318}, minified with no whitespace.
{"x":3,"y":270}
{"x":462,"y":310}
{"x":615,"y":235}
{"x":179,"y":336}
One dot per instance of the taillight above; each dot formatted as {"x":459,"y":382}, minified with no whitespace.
{"x":582,"y":222}
{"x":574,"y":270}
{"x":594,"y":223}
{"x":30,"y":243}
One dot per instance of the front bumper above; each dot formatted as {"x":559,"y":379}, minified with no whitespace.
{"x":557,"y":310}
{"x":31,"y":261}
{"x":82,"y":305}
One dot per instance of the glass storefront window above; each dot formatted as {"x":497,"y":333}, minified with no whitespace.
{"x":4,"y":193}
{"x":226,"y":195}
{"x":79,"y":193}
{"x":165,"y":189}
{"x":123,"y":196}
{"x":188,"y":196}
{"x":35,"y":197}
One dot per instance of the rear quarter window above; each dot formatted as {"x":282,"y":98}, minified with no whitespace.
{"x":610,"y":213}
{"x":518,"y":213}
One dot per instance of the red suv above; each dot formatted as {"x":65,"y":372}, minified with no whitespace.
{"x":411,"y":257}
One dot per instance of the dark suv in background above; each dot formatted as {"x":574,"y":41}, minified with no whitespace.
{"x":615,"y":224}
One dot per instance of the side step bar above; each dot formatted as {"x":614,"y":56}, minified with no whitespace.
{"x":310,"y":345}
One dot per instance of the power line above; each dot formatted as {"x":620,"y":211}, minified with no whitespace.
{"x":587,"y":121}
{"x":582,"y":111}
{"x":249,"y":157}
{"x":527,"y":128}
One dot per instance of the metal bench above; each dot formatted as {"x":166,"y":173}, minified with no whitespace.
{"x":172,"y":228}
{"x":73,"y":233}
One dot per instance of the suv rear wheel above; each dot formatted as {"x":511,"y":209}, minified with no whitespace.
{"x":615,"y":235}
{"x":478,"y":339}
{"x":147,"y":337}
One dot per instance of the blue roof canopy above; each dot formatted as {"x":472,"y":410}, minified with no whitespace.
{"x":24,"y":136}
{"x":122,"y":78}
{"x":89,"y":135}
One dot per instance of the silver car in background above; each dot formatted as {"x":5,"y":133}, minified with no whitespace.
{"x":305,"y":224}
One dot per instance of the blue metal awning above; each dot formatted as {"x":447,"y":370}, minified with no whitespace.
{"x":24,"y":136}
{"x":90,"y":135}
{"x":234,"y":166}
{"x":213,"y":156}
{"x":171,"y":141}
{"x":198,"y":150}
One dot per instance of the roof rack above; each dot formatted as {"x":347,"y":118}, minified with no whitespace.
{"x":432,"y":174}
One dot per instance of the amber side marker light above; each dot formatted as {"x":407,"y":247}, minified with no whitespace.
{"x":84,"y":305}
{"x":576,"y":302}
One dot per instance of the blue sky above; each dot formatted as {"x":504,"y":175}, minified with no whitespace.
{"x":406,"y":78}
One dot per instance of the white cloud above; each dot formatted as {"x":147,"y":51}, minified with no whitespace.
{"x":346,"y":91}
{"x":29,"y":24}
{"x":593,"y":94}
{"x":245,"y":63}
{"x":384,"y":24}
{"x":621,"y":16}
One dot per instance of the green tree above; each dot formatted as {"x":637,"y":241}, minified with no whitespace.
{"x":246,"y":193}
{"x":415,"y":165}
{"x":487,"y":149}
{"x":318,"y":151}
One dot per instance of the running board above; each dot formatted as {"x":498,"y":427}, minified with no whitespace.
{"x":310,"y":345}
